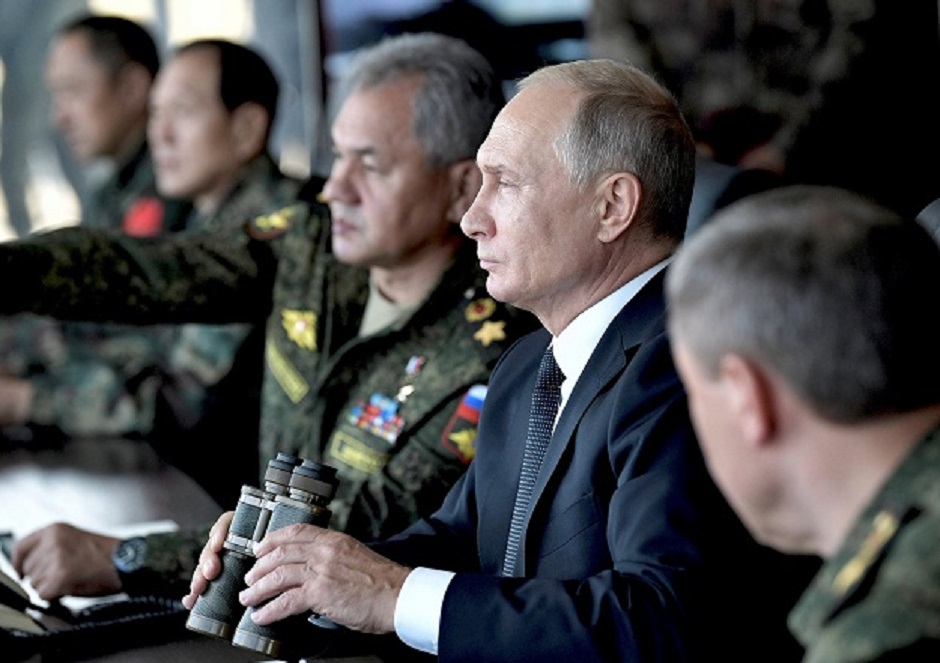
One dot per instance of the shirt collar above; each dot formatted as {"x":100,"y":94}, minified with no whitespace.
{"x":574,"y":346}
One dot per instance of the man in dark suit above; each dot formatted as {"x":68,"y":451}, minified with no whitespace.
{"x":625,"y":547}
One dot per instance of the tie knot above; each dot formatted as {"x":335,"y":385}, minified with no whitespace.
{"x":550,"y":375}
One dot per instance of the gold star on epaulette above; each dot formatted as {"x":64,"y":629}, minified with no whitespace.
{"x":491,"y":331}
{"x":883,"y":528}
{"x":271,"y":225}
{"x":276,"y":221}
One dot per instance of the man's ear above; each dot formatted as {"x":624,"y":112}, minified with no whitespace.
{"x":751,"y":398}
{"x":619,"y":201}
{"x":249,"y":130}
{"x":465,"y":180}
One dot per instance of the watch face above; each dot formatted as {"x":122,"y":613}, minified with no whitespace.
{"x":129,"y":555}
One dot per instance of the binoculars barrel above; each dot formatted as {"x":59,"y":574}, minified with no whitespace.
{"x":295,"y":491}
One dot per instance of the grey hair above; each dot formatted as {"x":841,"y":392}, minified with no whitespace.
{"x":822,"y":286}
{"x":627,"y":122}
{"x":459,"y":96}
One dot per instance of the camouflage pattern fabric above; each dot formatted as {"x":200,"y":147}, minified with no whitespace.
{"x":878,"y":598}
{"x":128,"y":200}
{"x":71,"y":366}
{"x":166,"y":383}
{"x":395,"y":412}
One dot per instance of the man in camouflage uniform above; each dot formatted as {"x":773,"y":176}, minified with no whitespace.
{"x":380,"y":334}
{"x":99,"y":73}
{"x":175,"y":384}
{"x":824,"y":436}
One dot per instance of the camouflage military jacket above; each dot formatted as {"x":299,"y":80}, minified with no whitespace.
{"x":128,"y":200}
{"x":878,"y":598}
{"x":161,"y":381}
{"x":395,"y":412}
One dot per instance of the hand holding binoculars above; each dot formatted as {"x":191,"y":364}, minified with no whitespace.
{"x":295,"y":491}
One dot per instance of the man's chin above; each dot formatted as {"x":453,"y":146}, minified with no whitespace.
{"x":173,"y":190}
{"x":497,"y":290}
{"x":347,"y":253}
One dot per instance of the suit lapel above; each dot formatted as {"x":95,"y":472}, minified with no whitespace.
{"x":609,"y":359}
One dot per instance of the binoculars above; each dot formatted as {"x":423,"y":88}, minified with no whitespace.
{"x":295,"y":491}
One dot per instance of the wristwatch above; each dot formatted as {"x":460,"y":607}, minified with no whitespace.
{"x":129,"y":556}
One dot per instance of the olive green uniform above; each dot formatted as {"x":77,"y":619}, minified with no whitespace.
{"x":128,"y":200}
{"x":394,"y":412}
{"x":170,"y":384}
{"x":878,"y":597}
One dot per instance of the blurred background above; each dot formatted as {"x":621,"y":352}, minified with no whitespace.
{"x":822,"y":91}
{"x":307,"y":42}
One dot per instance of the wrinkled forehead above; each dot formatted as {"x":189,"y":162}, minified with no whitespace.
{"x":377,"y":115}
{"x":530,"y":124}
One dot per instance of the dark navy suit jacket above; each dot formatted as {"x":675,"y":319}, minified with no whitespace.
{"x":629,"y":552}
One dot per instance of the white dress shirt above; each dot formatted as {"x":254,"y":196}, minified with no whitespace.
{"x":418,"y":610}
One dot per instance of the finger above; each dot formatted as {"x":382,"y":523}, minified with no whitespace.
{"x":281,"y":578}
{"x":220,"y":528}
{"x":47,"y":584}
{"x":198,"y":583}
{"x":293,"y":534}
{"x":32,"y":563}
{"x":23,"y":550}
{"x":274,"y":557}
{"x":189,"y":601}
{"x":283,"y":605}
{"x":210,"y":567}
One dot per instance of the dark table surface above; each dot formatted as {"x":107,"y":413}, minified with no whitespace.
{"x":111,"y":486}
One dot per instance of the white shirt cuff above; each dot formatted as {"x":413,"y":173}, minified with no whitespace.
{"x":418,"y":610}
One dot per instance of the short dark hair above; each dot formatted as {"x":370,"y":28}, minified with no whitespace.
{"x":116,"y":42}
{"x":244,"y":75}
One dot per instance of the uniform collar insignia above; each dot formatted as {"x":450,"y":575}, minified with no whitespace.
{"x":491,"y":331}
{"x":480,"y":309}
{"x":882,"y":530}
{"x":301,"y":327}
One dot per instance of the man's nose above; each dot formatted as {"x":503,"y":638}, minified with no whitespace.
{"x":473,"y":222}
{"x":338,"y":185}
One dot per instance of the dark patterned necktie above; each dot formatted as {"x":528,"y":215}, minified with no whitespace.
{"x":545,"y":401}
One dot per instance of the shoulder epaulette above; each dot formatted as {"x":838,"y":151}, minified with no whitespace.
{"x":478,"y":312}
{"x":492,"y":325}
{"x":883,"y":528}
{"x":269,"y":226}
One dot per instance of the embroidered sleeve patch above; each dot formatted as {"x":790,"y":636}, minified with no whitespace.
{"x":460,"y":434}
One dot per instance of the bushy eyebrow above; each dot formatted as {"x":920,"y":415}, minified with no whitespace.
{"x":496,"y":169}
{"x":364,"y":151}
